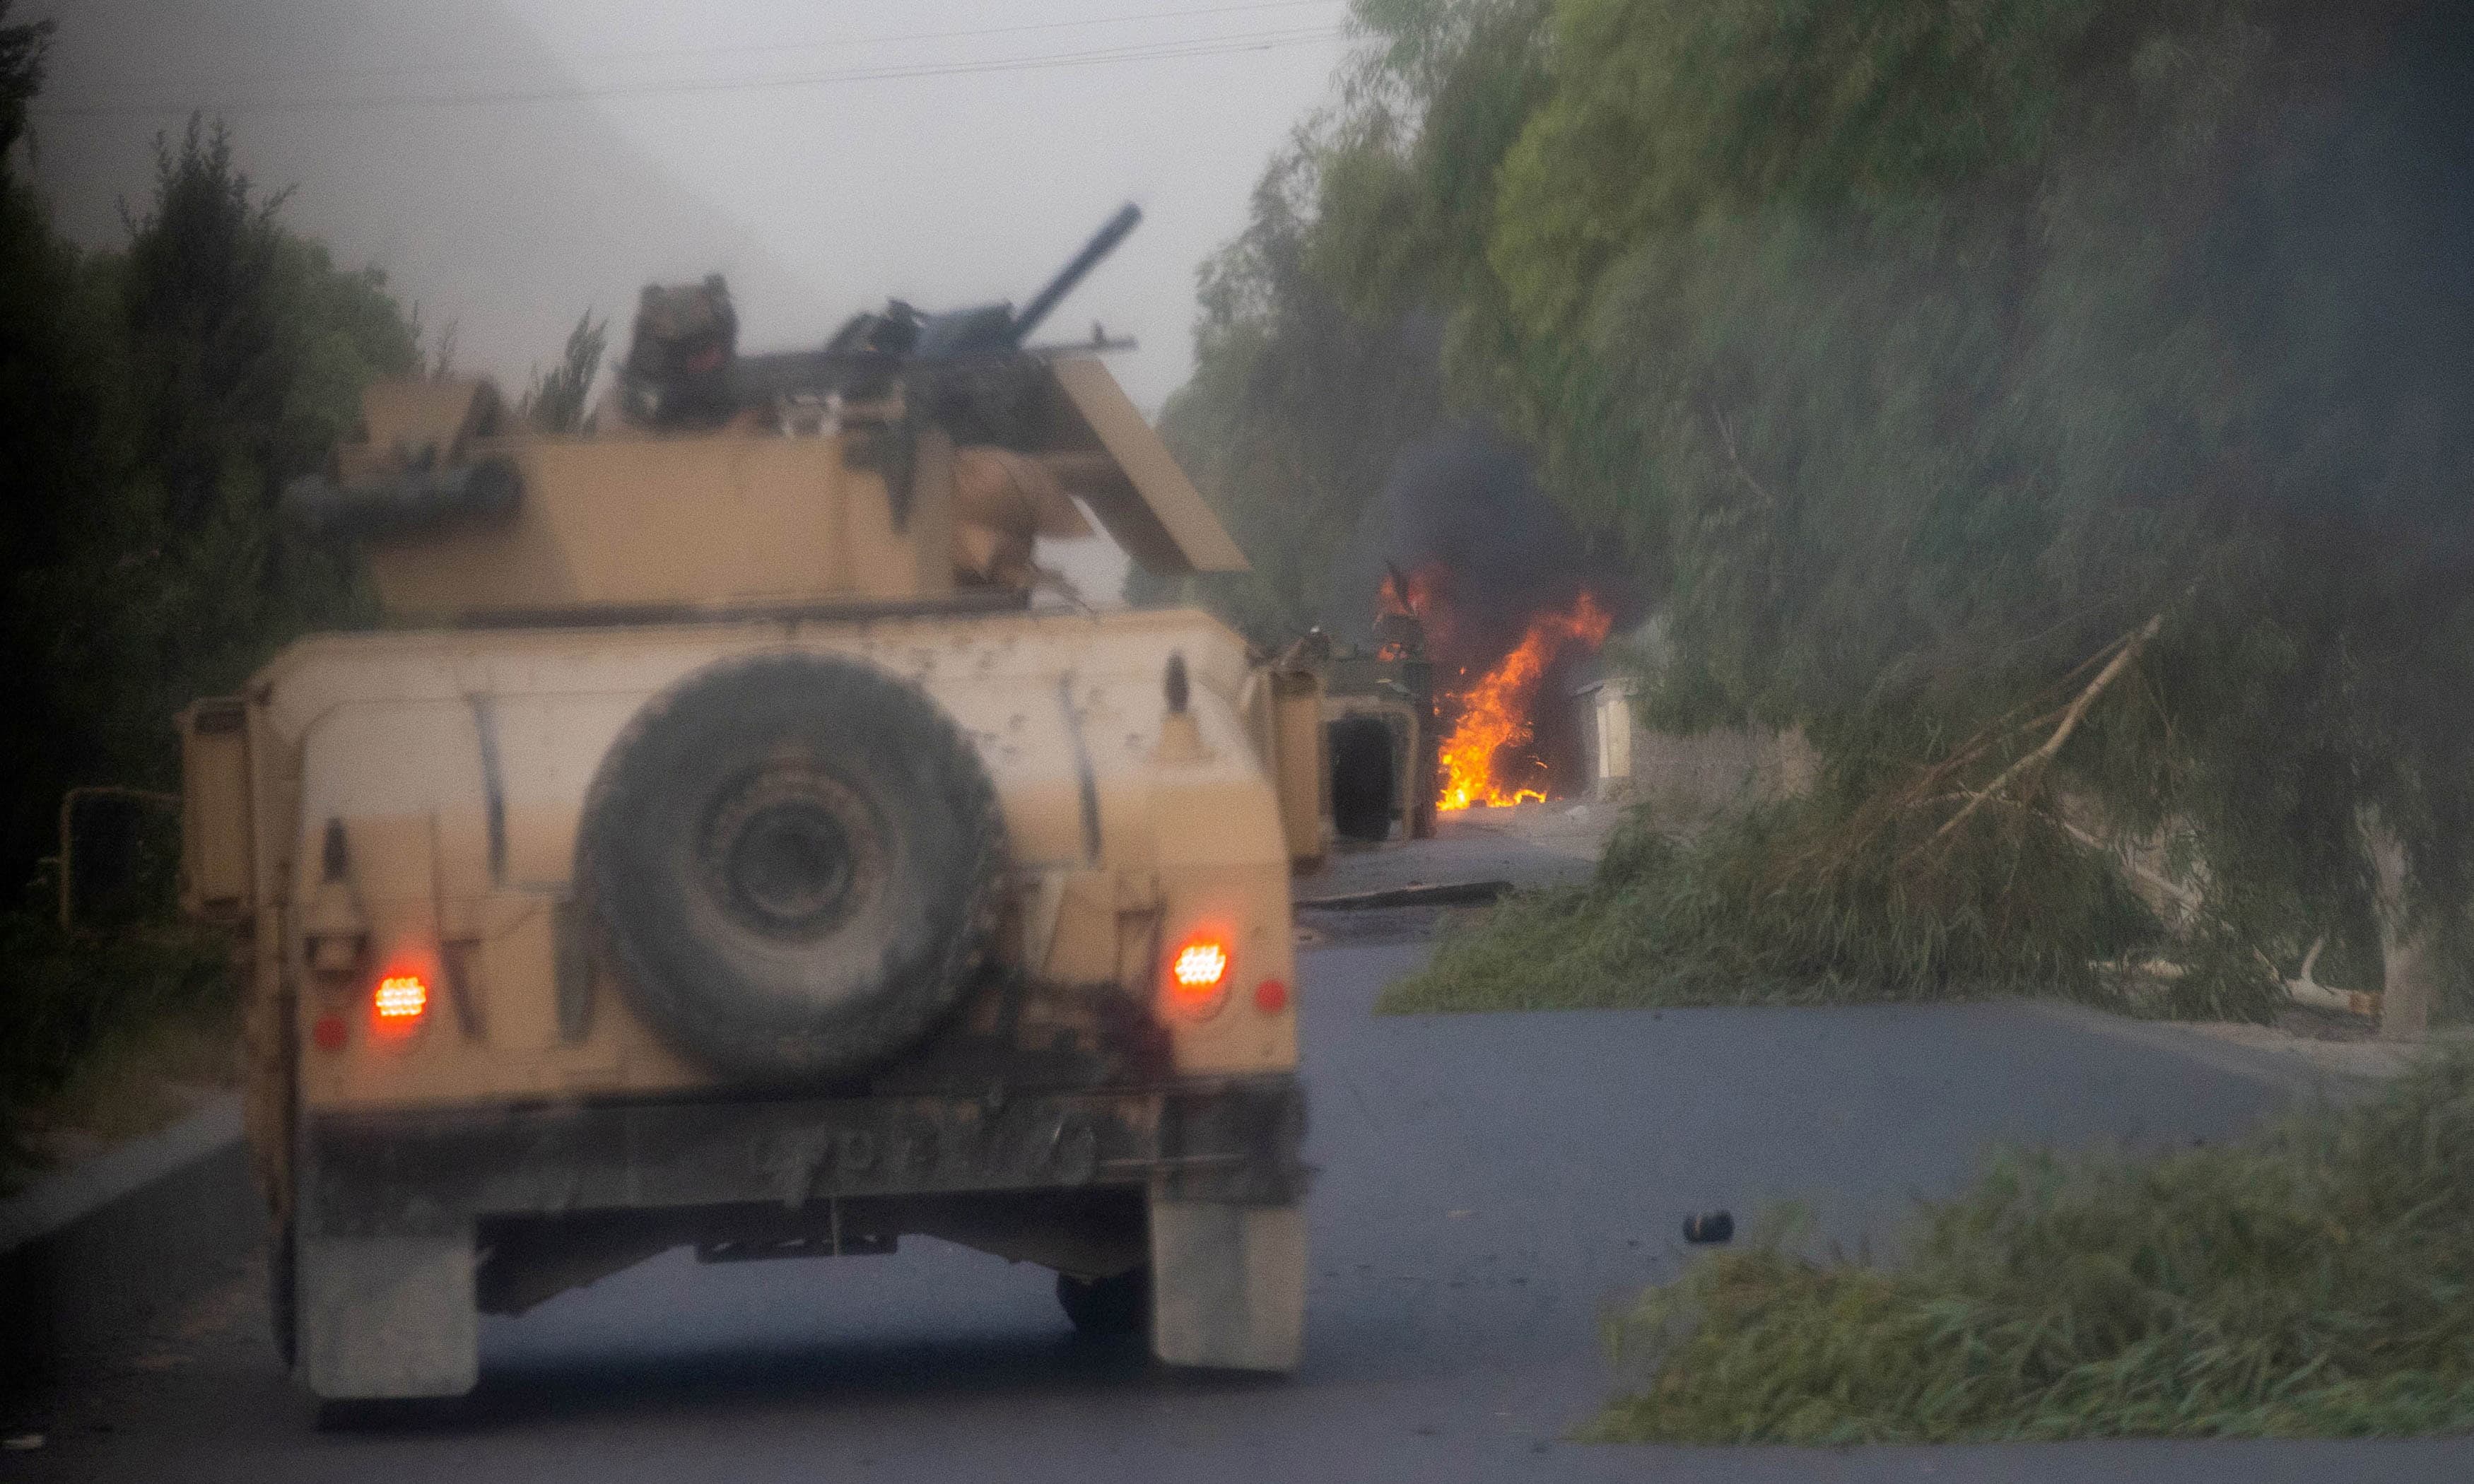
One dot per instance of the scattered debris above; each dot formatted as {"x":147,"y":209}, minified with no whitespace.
{"x":1442,"y":894}
{"x":1713,"y":1226}
{"x":23,"y":1442}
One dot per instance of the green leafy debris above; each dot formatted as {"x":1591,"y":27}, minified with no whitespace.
{"x":1784,"y":903}
{"x":2317,"y":1281}
{"x":1920,"y":351}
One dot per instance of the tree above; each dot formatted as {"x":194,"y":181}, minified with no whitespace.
{"x":153,"y":401}
{"x":1935,"y":355}
{"x":246,"y":350}
{"x":159,"y":399}
{"x":1296,"y":409}
{"x":555,"y":401}
{"x":22,"y":48}
{"x":56,"y":459}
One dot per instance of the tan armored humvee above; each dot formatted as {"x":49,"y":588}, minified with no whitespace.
{"x":718,"y":849}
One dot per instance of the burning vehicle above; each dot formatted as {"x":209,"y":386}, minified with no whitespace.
{"x":1379,"y":726}
{"x":1412,"y":739}
{"x":1499,"y":713}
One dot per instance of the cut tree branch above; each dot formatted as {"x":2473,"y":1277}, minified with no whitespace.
{"x":2070,"y":722}
{"x":1727,"y":438}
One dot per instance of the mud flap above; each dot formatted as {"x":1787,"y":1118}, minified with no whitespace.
{"x":388,"y":1316}
{"x":1227,"y":1284}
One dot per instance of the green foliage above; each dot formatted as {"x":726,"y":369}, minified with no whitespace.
{"x":153,"y":402}
{"x":50,"y":418}
{"x":168,"y":391}
{"x":555,"y":401}
{"x":1405,"y":202}
{"x":22,"y":47}
{"x":1921,"y":350}
{"x":65,"y":1000}
{"x":1295,"y":413}
{"x":2315,"y":1281}
{"x":1790,"y":902}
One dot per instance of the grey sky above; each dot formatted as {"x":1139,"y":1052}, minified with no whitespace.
{"x":511,"y":163}
{"x":1019,"y":128}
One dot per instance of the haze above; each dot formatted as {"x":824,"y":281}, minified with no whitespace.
{"x":511,"y":163}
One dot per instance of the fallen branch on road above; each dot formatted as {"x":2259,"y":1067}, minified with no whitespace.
{"x":1964,"y":877}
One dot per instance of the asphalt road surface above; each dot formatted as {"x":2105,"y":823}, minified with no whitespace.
{"x":1490,"y":1185}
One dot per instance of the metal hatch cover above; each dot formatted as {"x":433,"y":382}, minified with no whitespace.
{"x":1156,"y":515}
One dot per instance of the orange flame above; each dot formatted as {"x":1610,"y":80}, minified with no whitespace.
{"x":1494,"y":714}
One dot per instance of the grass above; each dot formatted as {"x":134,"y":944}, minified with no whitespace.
{"x":2317,"y":1281}
{"x":1789,"y":904}
{"x":103,"y":1033}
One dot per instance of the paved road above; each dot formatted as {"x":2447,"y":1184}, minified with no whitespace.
{"x":1490,"y":1185}
{"x":1529,"y":846}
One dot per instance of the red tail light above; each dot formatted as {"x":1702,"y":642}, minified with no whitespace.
{"x":400,"y":1001}
{"x":1198,"y":975}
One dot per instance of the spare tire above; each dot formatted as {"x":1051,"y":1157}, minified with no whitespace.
{"x":794,"y":862}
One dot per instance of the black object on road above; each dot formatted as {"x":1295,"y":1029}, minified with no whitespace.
{"x":1710,"y":1225}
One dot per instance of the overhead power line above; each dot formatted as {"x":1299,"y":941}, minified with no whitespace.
{"x":773,"y":48}
{"x":1209,"y":46}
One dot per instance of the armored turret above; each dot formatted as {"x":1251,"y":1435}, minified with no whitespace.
{"x":908,"y":462}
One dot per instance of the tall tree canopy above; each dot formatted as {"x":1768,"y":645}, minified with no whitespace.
{"x":1296,"y":411}
{"x":153,"y":401}
{"x":1929,"y":354}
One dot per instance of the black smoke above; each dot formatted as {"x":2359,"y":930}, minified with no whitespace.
{"x":1465,"y":501}
{"x":1462,"y":509}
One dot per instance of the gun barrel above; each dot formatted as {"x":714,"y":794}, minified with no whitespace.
{"x":1102,"y":244}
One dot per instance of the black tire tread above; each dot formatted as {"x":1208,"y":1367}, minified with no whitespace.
{"x":1110,"y":1307}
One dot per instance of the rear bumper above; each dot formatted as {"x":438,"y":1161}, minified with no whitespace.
{"x":1236,"y":1141}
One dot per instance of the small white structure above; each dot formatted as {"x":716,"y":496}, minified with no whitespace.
{"x":1684,"y":779}
{"x":1607,"y":727}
